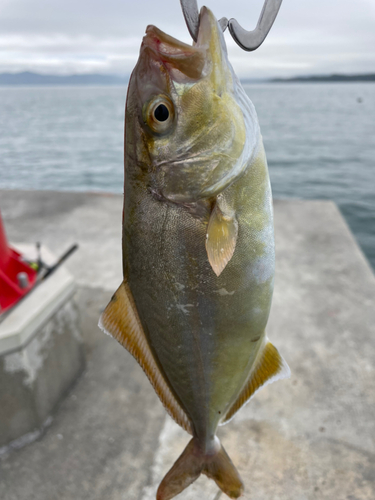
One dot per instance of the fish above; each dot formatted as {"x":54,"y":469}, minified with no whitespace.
{"x":198,"y":246}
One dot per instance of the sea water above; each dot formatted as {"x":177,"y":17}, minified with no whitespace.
{"x":319,"y":140}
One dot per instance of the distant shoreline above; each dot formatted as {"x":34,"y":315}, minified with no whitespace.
{"x":369,"y":77}
{"x":35,"y":79}
{"x":28,"y":78}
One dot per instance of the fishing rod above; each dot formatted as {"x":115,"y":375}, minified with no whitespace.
{"x":52,"y":269}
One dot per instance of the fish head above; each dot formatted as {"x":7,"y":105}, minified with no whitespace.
{"x":184,"y":120}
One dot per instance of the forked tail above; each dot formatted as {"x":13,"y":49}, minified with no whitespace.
{"x":192,"y":463}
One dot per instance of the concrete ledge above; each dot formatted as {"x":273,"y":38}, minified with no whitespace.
{"x":41,"y":355}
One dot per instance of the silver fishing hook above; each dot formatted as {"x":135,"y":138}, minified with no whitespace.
{"x":247,"y":40}
{"x":191,"y":15}
{"x":251,"y":40}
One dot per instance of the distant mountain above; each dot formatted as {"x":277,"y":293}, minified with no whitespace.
{"x":29,"y":78}
{"x":369,"y":77}
{"x":245,"y":81}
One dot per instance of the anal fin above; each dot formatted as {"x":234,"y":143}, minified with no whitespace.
{"x":269,"y":367}
{"x":120,"y":320}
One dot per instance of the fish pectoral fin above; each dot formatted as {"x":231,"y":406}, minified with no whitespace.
{"x":269,"y":367}
{"x":120,"y":320}
{"x":221,"y":237}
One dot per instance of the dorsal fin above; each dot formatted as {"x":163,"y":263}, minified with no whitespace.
{"x":120,"y":320}
{"x":269,"y":367}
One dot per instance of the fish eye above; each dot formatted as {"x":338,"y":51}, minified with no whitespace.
{"x":161,"y":113}
{"x":158,"y":114}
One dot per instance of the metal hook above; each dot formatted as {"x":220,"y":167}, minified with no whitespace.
{"x":247,"y":40}
{"x":251,"y":40}
{"x":191,"y":15}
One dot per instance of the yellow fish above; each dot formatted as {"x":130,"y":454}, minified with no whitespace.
{"x":198,"y":245}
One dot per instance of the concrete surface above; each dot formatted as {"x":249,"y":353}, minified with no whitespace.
{"x":41,"y":354}
{"x":306,"y":438}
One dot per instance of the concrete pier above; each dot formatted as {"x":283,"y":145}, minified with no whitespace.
{"x":306,"y":438}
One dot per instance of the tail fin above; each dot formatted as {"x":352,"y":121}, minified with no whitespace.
{"x":192,"y":463}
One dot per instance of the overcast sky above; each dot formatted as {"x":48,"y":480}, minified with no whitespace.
{"x":103,"y":36}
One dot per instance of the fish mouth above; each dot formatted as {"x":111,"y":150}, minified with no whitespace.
{"x":185,"y":62}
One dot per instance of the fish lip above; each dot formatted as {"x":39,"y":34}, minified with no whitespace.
{"x":158,"y":40}
{"x":193,"y":61}
{"x":168,"y":49}
{"x":181,"y":61}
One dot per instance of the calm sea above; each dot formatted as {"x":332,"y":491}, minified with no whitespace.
{"x":319,"y":139}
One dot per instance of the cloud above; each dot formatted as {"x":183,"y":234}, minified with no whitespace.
{"x":63,"y":36}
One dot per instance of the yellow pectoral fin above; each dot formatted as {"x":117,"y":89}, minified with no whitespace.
{"x":221,"y":238}
{"x":120,"y":320}
{"x":269,"y":367}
